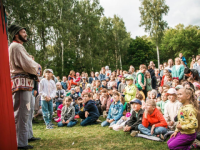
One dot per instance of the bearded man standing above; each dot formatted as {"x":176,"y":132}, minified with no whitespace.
{"x":23,"y":71}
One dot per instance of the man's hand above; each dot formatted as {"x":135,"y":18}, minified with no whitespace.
{"x":152,"y":129}
{"x":86,"y":114}
{"x":67,"y":121}
{"x":143,"y":87}
{"x":56,"y":96}
{"x":174,"y":134}
{"x":35,"y":93}
{"x":61,"y":96}
{"x":107,"y":120}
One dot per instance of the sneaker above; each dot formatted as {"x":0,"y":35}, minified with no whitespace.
{"x":49,"y":126}
{"x":105,"y":114}
{"x":99,"y":121}
{"x":133,"y":133}
{"x":161,"y":137}
{"x":52,"y":124}
{"x":110,"y":127}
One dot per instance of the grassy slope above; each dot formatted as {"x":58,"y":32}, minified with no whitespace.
{"x":90,"y":137}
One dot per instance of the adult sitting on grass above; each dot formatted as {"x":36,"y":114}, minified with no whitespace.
{"x":67,"y":114}
{"x":136,"y":117}
{"x":90,"y":113}
{"x":153,"y":122}
{"x":115,"y":112}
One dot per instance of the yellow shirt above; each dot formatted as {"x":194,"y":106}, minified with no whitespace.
{"x":130,"y":92}
{"x":187,"y":117}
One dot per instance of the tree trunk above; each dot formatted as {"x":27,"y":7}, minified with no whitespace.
{"x":120,"y":57}
{"x":62,"y":58}
{"x":158,"y":55}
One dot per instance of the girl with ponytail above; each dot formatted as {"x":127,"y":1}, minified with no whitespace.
{"x":188,"y":121}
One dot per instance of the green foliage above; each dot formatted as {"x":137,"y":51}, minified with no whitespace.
{"x":181,"y":39}
{"x":90,"y":40}
{"x":141,"y":51}
{"x":152,"y":12}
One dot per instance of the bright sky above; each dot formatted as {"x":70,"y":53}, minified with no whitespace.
{"x":181,"y":11}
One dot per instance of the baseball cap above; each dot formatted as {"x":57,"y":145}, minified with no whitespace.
{"x":50,"y":70}
{"x":171,"y":91}
{"x":129,"y":78}
{"x":137,"y":101}
{"x":178,"y":87}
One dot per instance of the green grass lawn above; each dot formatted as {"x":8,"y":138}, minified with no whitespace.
{"x":89,"y":137}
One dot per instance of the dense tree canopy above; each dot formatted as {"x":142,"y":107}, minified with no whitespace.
{"x":75,"y":34}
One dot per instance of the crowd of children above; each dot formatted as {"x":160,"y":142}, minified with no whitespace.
{"x":145,"y":101}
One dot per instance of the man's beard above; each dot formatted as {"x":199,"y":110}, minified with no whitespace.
{"x":21,"y":38}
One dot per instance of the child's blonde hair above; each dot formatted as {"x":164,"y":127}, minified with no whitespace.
{"x":152,"y":102}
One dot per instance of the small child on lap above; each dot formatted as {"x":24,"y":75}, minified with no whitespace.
{"x":67,"y":114}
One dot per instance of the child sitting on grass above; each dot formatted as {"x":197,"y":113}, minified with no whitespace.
{"x":130,"y":90}
{"x":105,"y":101}
{"x":103,"y":84}
{"x":168,"y":77}
{"x":96,"y":98}
{"x":122,"y":85}
{"x":60,"y":94}
{"x":188,"y":121}
{"x":140,"y":97}
{"x":154,"y":95}
{"x":58,"y":119}
{"x":153,"y":122}
{"x":77,"y":108}
{"x":112,"y":83}
{"x":135,"y":119}
{"x":171,"y":108}
{"x":115,"y":111}
{"x":175,"y":82}
{"x":161,"y":104}
{"x":90,"y":113}
{"x":67,"y":114}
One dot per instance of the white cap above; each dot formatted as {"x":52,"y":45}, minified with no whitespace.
{"x":96,"y":73}
{"x":88,"y":85}
{"x":178,"y":87}
{"x":106,"y":67}
{"x":50,"y":70}
{"x":171,"y":91}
